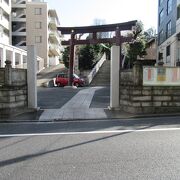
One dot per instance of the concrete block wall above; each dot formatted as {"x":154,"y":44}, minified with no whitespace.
{"x":139,"y":99}
{"x":13,"y":91}
{"x":13,"y":100}
{"x":152,"y":99}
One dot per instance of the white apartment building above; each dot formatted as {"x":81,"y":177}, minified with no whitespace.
{"x":17,"y":56}
{"x":5,"y":21}
{"x":19,"y":23}
{"x":34,"y":24}
{"x":54,"y":39}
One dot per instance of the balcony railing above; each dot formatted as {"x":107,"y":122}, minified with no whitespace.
{"x":17,"y":56}
{"x":54,"y":50}
{"x":54,"y":37}
{"x":4,"y":22}
{"x":5,"y":6}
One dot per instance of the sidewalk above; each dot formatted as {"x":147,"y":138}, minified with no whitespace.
{"x":78,"y":108}
{"x":80,"y":104}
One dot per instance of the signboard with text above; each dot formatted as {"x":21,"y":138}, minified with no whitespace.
{"x":161,"y":76}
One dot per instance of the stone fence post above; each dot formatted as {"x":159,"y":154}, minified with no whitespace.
{"x":8,"y":73}
{"x":31,"y":76}
{"x":137,"y":73}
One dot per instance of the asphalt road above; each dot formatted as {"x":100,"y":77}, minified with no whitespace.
{"x":56,"y":97}
{"x":109,"y":149}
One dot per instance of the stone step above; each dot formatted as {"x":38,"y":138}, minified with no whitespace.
{"x":103,"y":76}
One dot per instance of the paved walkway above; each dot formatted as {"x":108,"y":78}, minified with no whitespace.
{"x":77,"y":107}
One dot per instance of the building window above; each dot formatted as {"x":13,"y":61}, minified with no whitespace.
{"x":161,"y":15}
{"x":168,"y":29}
{"x":24,"y":59}
{"x":160,"y":2}
{"x":161,"y":36}
{"x":38,"y":25}
{"x":38,"y":11}
{"x":168,"y":50}
{"x":160,"y":56}
{"x":38,"y":39}
{"x":178,"y":12}
{"x":168,"y":53}
{"x":178,"y":54}
{"x":169,"y":6}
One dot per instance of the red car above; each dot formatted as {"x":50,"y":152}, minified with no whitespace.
{"x":62,"y":80}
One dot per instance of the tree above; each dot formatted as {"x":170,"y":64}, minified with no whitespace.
{"x":150,"y":33}
{"x":137,"y":47}
{"x":87,"y":56}
{"x":65,"y":56}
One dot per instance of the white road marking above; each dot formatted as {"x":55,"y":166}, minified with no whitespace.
{"x":89,"y":132}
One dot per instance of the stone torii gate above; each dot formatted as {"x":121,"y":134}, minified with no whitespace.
{"x":117,"y":40}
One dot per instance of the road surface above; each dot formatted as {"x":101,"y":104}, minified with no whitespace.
{"x":101,"y":150}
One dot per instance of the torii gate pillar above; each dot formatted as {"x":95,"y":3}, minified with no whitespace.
{"x":114,"y":84}
{"x":71,"y":59}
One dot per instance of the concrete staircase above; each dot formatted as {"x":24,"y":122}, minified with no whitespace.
{"x":102,"y":78}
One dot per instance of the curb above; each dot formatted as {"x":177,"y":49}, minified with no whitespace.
{"x":131,"y":118}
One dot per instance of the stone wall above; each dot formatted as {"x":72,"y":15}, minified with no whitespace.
{"x":152,"y":99}
{"x":13,"y":91}
{"x":139,"y":99}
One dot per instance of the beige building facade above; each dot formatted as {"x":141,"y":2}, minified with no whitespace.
{"x":35,"y":24}
{"x":36,"y":28}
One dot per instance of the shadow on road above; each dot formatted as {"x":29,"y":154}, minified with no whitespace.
{"x":31,"y":156}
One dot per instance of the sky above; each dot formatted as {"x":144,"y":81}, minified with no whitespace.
{"x":83,"y":12}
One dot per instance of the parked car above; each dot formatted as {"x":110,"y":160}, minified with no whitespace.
{"x":62,"y":80}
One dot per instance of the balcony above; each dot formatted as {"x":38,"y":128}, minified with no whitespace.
{"x":19,"y":14}
{"x":54,"y":50}
{"x":52,"y":23}
{"x":16,"y":19}
{"x":52,"y":14}
{"x":21,"y":43}
{"x":5,"y":6}
{"x":19,"y":4}
{"x":19,"y":27}
{"x":54,"y":38}
{"x":4,"y":22}
{"x":5,"y":38}
{"x":16,"y":33}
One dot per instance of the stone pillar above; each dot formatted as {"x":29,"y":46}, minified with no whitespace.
{"x":8,"y":73}
{"x":137,"y":73}
{"x":3,"y":56}
{"x":31,"y":76}
{"x":21,"y":60}
{"x":13,"y":58}
{"x":114,"y":85}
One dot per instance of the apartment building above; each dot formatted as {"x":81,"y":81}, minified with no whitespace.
{"x":5,"y":21}
{"x":33,"y":23}
{"x":19,"y":23}
{"x":169,"y":32}
{"x":54,"y":39}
